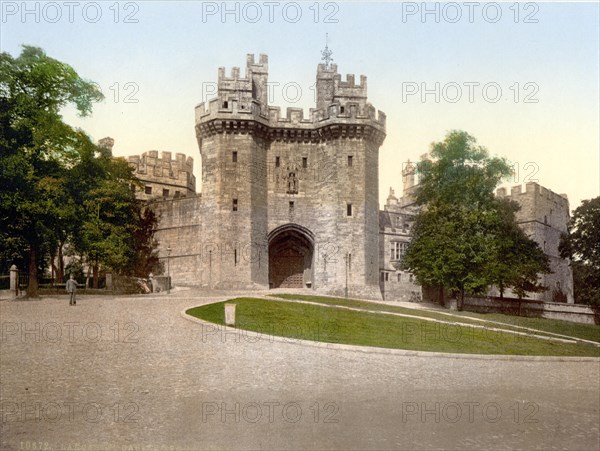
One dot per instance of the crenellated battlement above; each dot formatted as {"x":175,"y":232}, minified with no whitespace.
{"x":533,"y":189}
{"x":244,"y":90}
{"x":262,"y":67}
{"x":150,"y":159}
{"x":164,"y":173}
{"x":353,"y":113}
{"x":342,"y":102}
{"x":348,"y":90}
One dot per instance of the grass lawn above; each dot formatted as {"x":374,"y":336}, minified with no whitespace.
{"x":557,"y":326}
{"x":584,"y":331}
{"x":320,"y":323}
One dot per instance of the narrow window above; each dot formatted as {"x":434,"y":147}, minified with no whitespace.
{"x":148,"y":190}
{"x":276,"y":162}
{"x":348,"y":209}
{"x":177,"y":194}
{"x":399,"y":277}
{"x":304,"y":162}
{"x":235,"y":257}
{"x":349,"y":161}
{"x":349,"y":262}
{"x":387,"y":276}
{"x":225,"y":104}
{"x":235,"y":205}
{"x":234,"y":156}
{"x":291,"y":206}
{"x":165,"y":193}
{"x":381,"y":276}
{"x":342,"y":109}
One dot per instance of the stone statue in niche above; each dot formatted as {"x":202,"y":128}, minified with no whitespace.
{"x":292,"y":182}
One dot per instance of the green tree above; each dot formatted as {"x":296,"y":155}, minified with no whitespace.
{"x":449,"y":247}
{"x":465,"y":239}
{"x":36,"y":147}
{"x":114,"y":232}
{"x":517,"y":259}
{"x":145,"y":259}
{"x":582,"y":246}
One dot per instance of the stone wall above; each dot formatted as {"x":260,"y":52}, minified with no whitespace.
{"x":263,"y":171}
{"x":395,"y":227}
{"x":180,"y":229}
{"x":544,"y":216}
{"x":162,"y":176}
{"x":577,"y":313}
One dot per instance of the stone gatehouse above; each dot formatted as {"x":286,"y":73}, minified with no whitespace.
{"x":287,"y":200}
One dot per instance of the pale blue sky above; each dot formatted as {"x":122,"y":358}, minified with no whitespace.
{"x":172,"y":50}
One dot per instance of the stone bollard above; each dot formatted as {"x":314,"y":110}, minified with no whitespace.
{"x":109,"y":281}
{"x":14,"y":280}
{"x":230,"y":314}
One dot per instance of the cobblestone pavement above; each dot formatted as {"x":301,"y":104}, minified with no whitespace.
{"x":132,"y":373}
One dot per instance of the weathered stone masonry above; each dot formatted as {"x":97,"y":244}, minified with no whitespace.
{"x":286,"y":200}
{"x":289,"y":201}
{"x":164,"y":177}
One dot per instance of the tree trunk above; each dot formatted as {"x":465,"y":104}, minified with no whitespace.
{"x":61,"y":263}
{"x":96,"y":276}
{"x":87,"y":279}
{"x":32,"y":285}
{"x":52,"y":266}
{"x":461,"y":300}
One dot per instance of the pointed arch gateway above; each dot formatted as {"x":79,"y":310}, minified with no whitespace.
{"x":291,"y":250}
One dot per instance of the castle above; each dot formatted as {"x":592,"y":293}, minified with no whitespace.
{"x":162,"y":176}
{"x":289,"y":201}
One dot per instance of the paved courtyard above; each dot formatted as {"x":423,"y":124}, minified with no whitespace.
{"x":132,"y":373}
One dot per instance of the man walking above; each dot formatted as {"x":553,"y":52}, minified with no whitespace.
{"x":71,"y":289}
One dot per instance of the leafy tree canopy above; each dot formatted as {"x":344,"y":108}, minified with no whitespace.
{"x":56,"y":185}
{"x":465,"y":239}
{"x":582,"y":246}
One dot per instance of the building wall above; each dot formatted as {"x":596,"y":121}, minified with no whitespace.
{"x":395,"y":226}
{"x":180,"y":229}
{"x":256,"y":161}
{"x":162,"y":176}
{"x":544,"y":216}
{"x":313,"y":155}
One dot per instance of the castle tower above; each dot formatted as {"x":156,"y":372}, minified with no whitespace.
{"x":544,"y":216}
{"x":288,"y":200}
{"x":325,"y":85}
{"x":233,"y":140}
{"x":163,"y":177}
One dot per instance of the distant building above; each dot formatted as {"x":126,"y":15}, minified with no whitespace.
{"x":543,"y":216}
